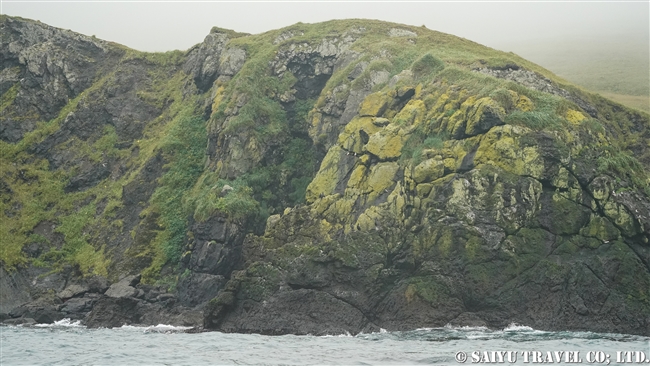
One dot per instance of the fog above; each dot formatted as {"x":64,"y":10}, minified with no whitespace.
{"x":163,"y":26}
{"x":603,"y":46}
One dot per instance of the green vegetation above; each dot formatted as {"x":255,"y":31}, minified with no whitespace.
{"x":36,"y":193}
{"x":616,"y":69}
{"x":419,"y":141}
{"x":623,"y":164}
{"x":272,"y":123}
{"x":8,"y":97}
{"x":212,"y":196}
{"x":427,"y":66}
{"x":183,"y":149}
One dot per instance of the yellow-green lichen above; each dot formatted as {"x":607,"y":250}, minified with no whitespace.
{"x":428,"y":170}
{"x":352,"y":137}
{"x":500,"y":147}
{"x":380,"y":178}
{"x":413,"y":113}
{"x":387,"y":143}
{"x":374,"y":105}
{"x":574,"y":116}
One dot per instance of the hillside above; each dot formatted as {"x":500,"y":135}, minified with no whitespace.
{"x":613,"y":68}
{"x":322,"y":178}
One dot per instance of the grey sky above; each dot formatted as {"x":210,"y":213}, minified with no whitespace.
{"x":162,"y":26}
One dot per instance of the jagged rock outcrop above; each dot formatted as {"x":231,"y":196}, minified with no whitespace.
{"x":43,"y":68}
{"x":338,"y":177}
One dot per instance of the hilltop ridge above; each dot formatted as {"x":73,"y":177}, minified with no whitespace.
{"x":321,"y":178}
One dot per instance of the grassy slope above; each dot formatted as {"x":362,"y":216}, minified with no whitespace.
{"x":36,"y":193}
{"x":617,"y":70}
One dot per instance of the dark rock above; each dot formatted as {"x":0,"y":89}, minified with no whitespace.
{"x":20,"y":321}
{"x":530,"y":211}
{"x":468,"y":320}
{"x":52,"y":66}
{"x":198,"y":288}
{"x":46,"y":315}
{"x":72,"y":291}
{"x":151,"y":296}
{"x":13,"y":294}
{"x":153,"y":314}
{"x":18,"y":312}
{"x":55,"y":281}
{"x":88,"y":178}
{"x":124,"y":288}
{"x":166,"y":297}
{"x":98,"y":284}
{"x":77,"y":305}
{"x":300,"y":312}
{"x":121,"y":290}
{"x":42,"y":310}
{"x":113,"y":312}
{"x":217,"y":247}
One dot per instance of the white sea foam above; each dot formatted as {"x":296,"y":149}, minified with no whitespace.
{"x":160,"y":328}
{"x":67,"y":322}
{"x":466,"y":328}
{"x":425,"y":329}
{"x":514,"y":327}
{"x":344,"y":335}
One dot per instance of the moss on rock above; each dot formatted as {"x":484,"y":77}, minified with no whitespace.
{"x":387,"y":143}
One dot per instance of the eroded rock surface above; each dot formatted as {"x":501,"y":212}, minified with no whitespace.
{"x":320,"y":179}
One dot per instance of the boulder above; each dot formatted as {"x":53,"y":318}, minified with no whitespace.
{"x":110,"y":312}
{"x":76,"y":305}
{"x":124,"y":288}
{"x":73,"y":290}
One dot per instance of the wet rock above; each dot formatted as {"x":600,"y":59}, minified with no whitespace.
{"x":301,"y":312}
{"x":20,"y":321}
{"x":111,"y":312}
{"x":13,"y":292}
{"x":43,"y":311}
{"x":198,"y":288}
{"x":77,"y":306}
{"x":468,"y":320}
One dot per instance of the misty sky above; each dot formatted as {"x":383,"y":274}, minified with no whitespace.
{"x":162,"y":26}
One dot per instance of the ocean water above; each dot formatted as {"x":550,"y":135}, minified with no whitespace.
{"x":69,"y":343}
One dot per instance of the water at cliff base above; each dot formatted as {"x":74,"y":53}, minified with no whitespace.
{"x":69,"y":343}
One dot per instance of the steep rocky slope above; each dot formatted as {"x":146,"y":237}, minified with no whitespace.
{"x":342,"y":176}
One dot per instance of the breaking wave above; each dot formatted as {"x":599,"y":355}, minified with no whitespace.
{"x":67,"y":342}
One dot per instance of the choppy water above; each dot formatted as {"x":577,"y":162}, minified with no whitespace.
{"x":66,"y":343}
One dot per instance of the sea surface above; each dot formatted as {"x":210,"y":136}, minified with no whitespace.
{"x":69,"y":343}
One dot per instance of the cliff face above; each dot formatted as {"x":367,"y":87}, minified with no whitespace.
{"x":342,"y":176}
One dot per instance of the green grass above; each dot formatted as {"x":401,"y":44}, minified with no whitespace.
{"x":36,"y":193}
{"x":183,"y":149}
{"x":615,"y":68}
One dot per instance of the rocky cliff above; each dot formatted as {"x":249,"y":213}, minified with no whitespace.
{"x":337,"y":177}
